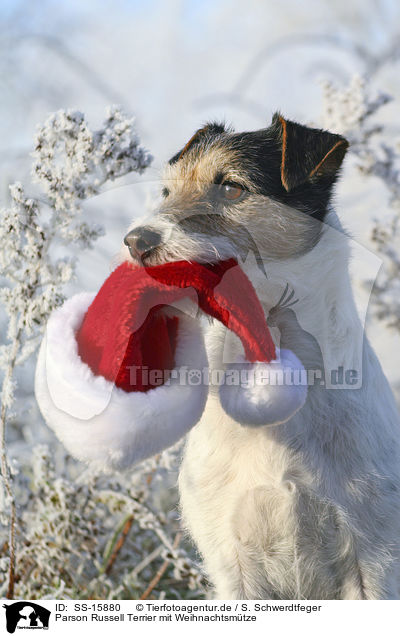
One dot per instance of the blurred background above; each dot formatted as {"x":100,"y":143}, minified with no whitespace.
{"x":176,"y":63}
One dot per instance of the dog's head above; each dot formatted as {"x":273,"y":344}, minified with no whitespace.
{"x":228,"y":193}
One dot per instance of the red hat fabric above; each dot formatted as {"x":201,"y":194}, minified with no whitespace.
{"x":125,"y":327}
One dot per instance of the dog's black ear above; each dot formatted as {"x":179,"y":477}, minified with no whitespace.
{"x":209,"y":130}
{"x":308,"y":154}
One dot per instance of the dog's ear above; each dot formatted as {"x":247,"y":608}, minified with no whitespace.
{"x":207,"y":131}
{"x":308,"y":154}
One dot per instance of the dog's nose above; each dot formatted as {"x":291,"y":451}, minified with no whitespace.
{"x":141,"y":240}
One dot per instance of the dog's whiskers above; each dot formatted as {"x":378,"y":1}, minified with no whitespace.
{"x":284,"y":300}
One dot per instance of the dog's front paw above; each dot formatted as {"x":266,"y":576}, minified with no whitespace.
{"x":260,"y":393}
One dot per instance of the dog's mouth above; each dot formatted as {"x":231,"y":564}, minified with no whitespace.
{"x":161,"y":255}
{"x":157,"y":256}
{"x":147,"y":258}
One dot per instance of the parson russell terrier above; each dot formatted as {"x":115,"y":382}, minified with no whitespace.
{"x":309,"y":508}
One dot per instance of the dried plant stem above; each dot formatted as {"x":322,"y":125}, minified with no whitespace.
{"x":161,"y":571}
{"x":124,"y":533}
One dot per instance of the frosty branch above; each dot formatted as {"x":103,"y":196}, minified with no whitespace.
{"x":352,"y":111}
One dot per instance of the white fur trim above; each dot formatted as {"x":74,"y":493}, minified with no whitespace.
{"x":100,"y":423}
{"x":261,"y":398}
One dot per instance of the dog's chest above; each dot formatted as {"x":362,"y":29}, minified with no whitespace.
{"x":232,"y":481}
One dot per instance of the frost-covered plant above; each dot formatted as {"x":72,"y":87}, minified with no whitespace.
{"x":75,"y":534}
{"x":351,"y":111}
{"x":82,"y":535}
{"x":70,"y":164}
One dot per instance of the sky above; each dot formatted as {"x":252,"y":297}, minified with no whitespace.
{"x":175,"y":63}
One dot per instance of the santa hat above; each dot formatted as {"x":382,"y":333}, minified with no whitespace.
{"x":113,"y":373}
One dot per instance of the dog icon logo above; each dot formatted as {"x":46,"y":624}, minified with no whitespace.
{"x":26,"y":615}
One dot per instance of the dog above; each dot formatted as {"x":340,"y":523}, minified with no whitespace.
{"x":308,"y":508}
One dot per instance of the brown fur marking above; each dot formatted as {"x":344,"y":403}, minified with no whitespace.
{"x":284,"y":142}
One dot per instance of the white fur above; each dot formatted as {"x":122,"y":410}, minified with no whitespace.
{"x":309,"y":508}
{"x":102,"y":424}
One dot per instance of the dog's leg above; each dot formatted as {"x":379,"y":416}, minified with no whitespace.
{"x":264,"y":529}
{"x":293,"y":543}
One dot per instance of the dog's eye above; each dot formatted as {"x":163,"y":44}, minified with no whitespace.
{"x":165,"y":192}
{"x":231,"y":191}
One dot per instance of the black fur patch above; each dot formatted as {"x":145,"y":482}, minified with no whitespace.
{"x":288,"y":162}
{"x":298,"y":166}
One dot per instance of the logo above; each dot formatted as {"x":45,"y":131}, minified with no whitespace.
{"x":26,"y":615}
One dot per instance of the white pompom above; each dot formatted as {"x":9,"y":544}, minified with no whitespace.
{"x":268,"y":393}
